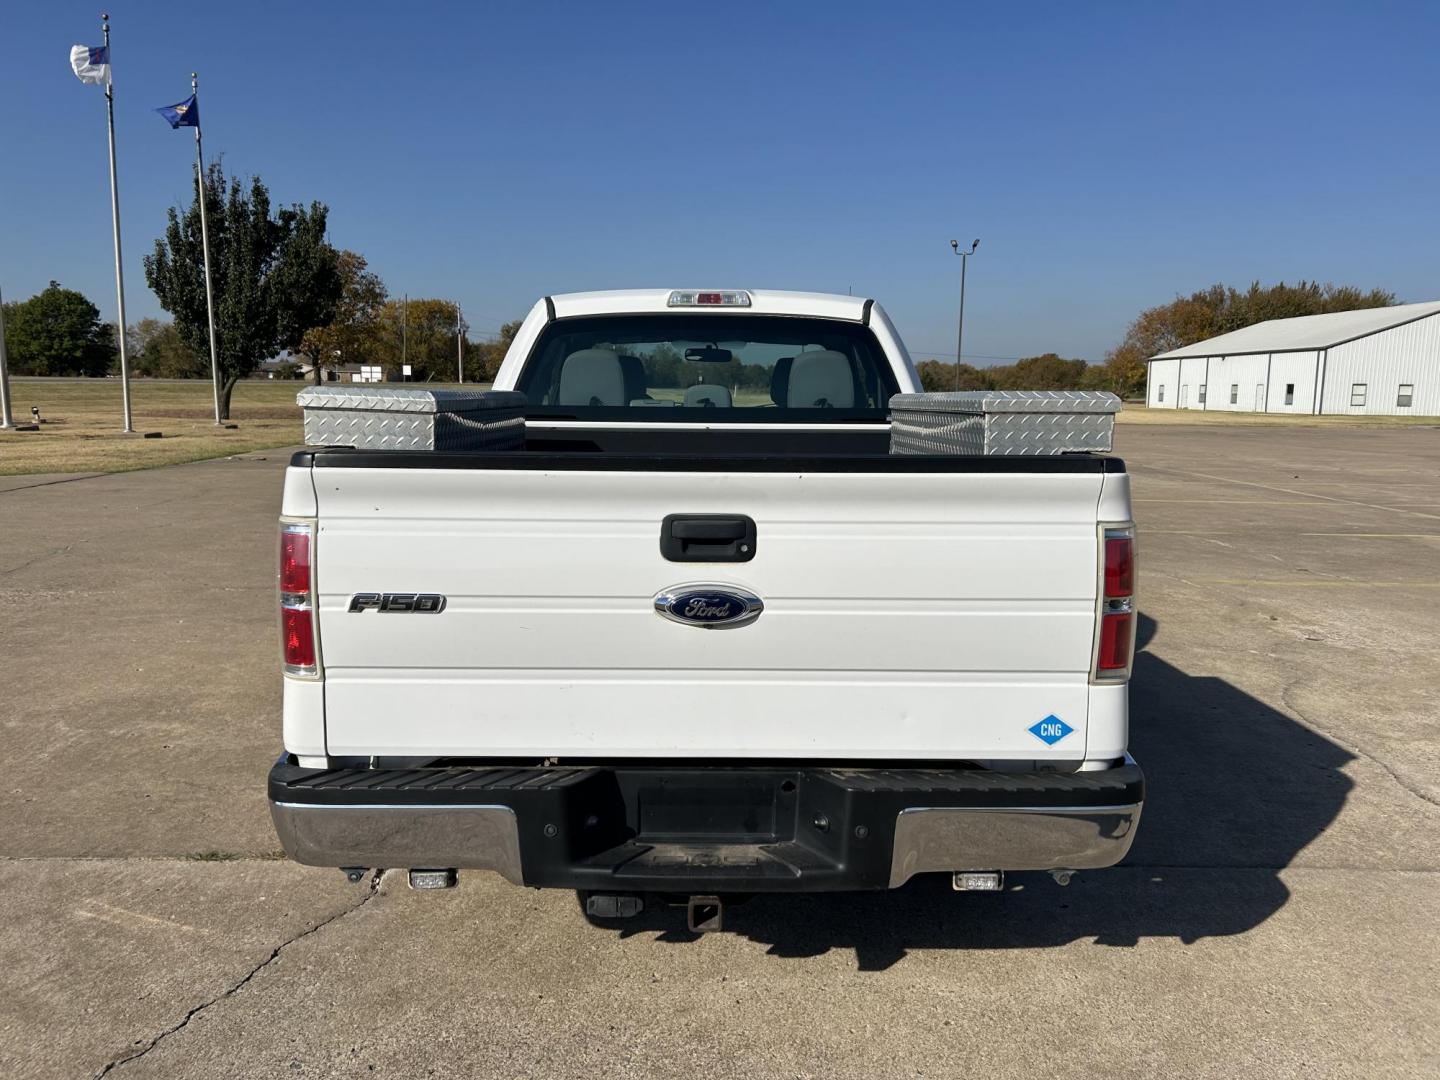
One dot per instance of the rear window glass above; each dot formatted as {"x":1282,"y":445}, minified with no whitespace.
{"x":707,"y":368}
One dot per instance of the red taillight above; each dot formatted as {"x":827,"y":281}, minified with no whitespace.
{"x":297,"y":599}
{"x":1115,"y":637}
{"x":295,"y":559}
{"x":709,"y":298}
{"x":299,"y":638}
{"x":1119,"y":567}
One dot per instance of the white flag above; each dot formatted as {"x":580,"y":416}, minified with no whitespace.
{"x":92,"y":65}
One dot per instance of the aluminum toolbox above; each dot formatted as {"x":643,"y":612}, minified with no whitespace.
{"x":1002,"y":422}
{"x":411,"y":418}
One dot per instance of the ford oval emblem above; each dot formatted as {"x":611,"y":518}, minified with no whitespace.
{"x":714,"y":607}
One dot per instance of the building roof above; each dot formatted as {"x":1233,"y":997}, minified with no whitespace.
{"x":1305,"y":332}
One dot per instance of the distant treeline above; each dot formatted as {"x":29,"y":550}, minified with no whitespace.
{"x":1183,"y":321}
{"x":1046,"y":372}
{"x":58,"y":331}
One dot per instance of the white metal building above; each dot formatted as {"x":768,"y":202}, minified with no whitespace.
{"x":1374,"y":361}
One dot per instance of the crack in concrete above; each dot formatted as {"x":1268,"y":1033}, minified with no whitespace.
{"x":52,"y":483}
{"x":1355,"y":749}
{"x":156,"y":1039}
{"x":48,"y":553}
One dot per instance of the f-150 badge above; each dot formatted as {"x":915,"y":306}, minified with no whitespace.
{"x":714,"y":607}
{"x":421,"y":603}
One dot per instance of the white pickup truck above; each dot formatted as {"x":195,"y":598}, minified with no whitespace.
{"x":701,"y":639}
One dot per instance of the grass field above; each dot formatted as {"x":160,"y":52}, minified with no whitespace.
{"x":1139,"y":414}
{"x":82,"y":420}
{"x":81,"y":429}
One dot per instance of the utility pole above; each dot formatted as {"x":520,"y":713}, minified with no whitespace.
{"x":459,"y":341}
{"x":6,"y":420}
{"x":960,"y":334}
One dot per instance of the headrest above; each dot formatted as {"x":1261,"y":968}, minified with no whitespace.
{"x":592,"y":377}
{"x":633,"y":368}
{"x":819,"y":380}
{"x":780,"y":380}
{"x":705,"y":394}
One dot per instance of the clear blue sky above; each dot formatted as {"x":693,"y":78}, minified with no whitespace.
{"x":1109,"y":156}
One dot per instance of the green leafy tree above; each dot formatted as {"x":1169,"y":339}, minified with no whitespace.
{"x":353,"y":334}
{"x":159,"y":352}
{"x":1045,"y":372}
{"x":419,"y":332}
{"x":483,"y":358}
{"x":58,"y":332}
{"x":938,"y":376}
{"x":274,"y":275}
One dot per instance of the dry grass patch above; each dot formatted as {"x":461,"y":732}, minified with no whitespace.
{"x":82,"y":420}
{"x":1139,"y":414}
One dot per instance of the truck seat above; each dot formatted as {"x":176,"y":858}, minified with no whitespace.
{"x":592,"y":377}
{"x":633,"y":369}
{"x":780,"y":380}
{"x":821,"y":380}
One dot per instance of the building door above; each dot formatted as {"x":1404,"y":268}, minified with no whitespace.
{"x":1259,"y":397}
{"x":1184,"y":393}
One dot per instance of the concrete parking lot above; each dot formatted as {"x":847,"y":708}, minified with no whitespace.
{"x":1277,"y":915}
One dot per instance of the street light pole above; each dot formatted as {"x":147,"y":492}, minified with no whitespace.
{"x":960,"y":334}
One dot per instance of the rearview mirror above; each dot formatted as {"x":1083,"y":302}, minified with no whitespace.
{"x":709,"y":355}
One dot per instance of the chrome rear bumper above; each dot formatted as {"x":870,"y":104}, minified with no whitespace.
{"x":691,"y":828}
{"x":474,"y":837}
{"x":1021,"y":838}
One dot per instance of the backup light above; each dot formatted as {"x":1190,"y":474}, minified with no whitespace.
{"x":724,"y":298}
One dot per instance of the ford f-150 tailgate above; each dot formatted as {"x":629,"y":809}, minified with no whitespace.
{"x":943,"y":611}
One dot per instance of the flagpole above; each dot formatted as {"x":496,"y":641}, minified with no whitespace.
{"x":6,"y":420}
{"x":205,"y":245}
{"x":129,"y":428}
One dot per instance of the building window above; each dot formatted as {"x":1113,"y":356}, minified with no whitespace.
{"x":1405,"y":396}
{"x":1161,"y":395}
{"x":1234,"y":393}
{"x":1289,"y":393}
{"x":1202,"y":393}
{"x":1357,"y":394}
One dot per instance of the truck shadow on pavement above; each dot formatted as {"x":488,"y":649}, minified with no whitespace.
{"x":1234,"y":791}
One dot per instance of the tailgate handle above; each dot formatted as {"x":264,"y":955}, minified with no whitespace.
{"x":707,"y":538}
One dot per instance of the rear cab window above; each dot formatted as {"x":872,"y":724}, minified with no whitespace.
{"x":705,"y":368}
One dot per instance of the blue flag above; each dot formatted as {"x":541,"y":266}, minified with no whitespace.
{"x":183,"y":114}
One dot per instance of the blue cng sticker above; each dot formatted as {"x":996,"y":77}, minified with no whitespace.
{"x":1050,"y":730}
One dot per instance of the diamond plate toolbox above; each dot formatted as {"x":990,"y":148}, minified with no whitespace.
{"x":410,"y":418}
{"x":1004,"y":422}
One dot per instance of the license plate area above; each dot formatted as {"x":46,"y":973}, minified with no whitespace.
{"x":714,"y":806}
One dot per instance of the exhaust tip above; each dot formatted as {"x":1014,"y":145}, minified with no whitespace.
{"x":613,"y":905}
